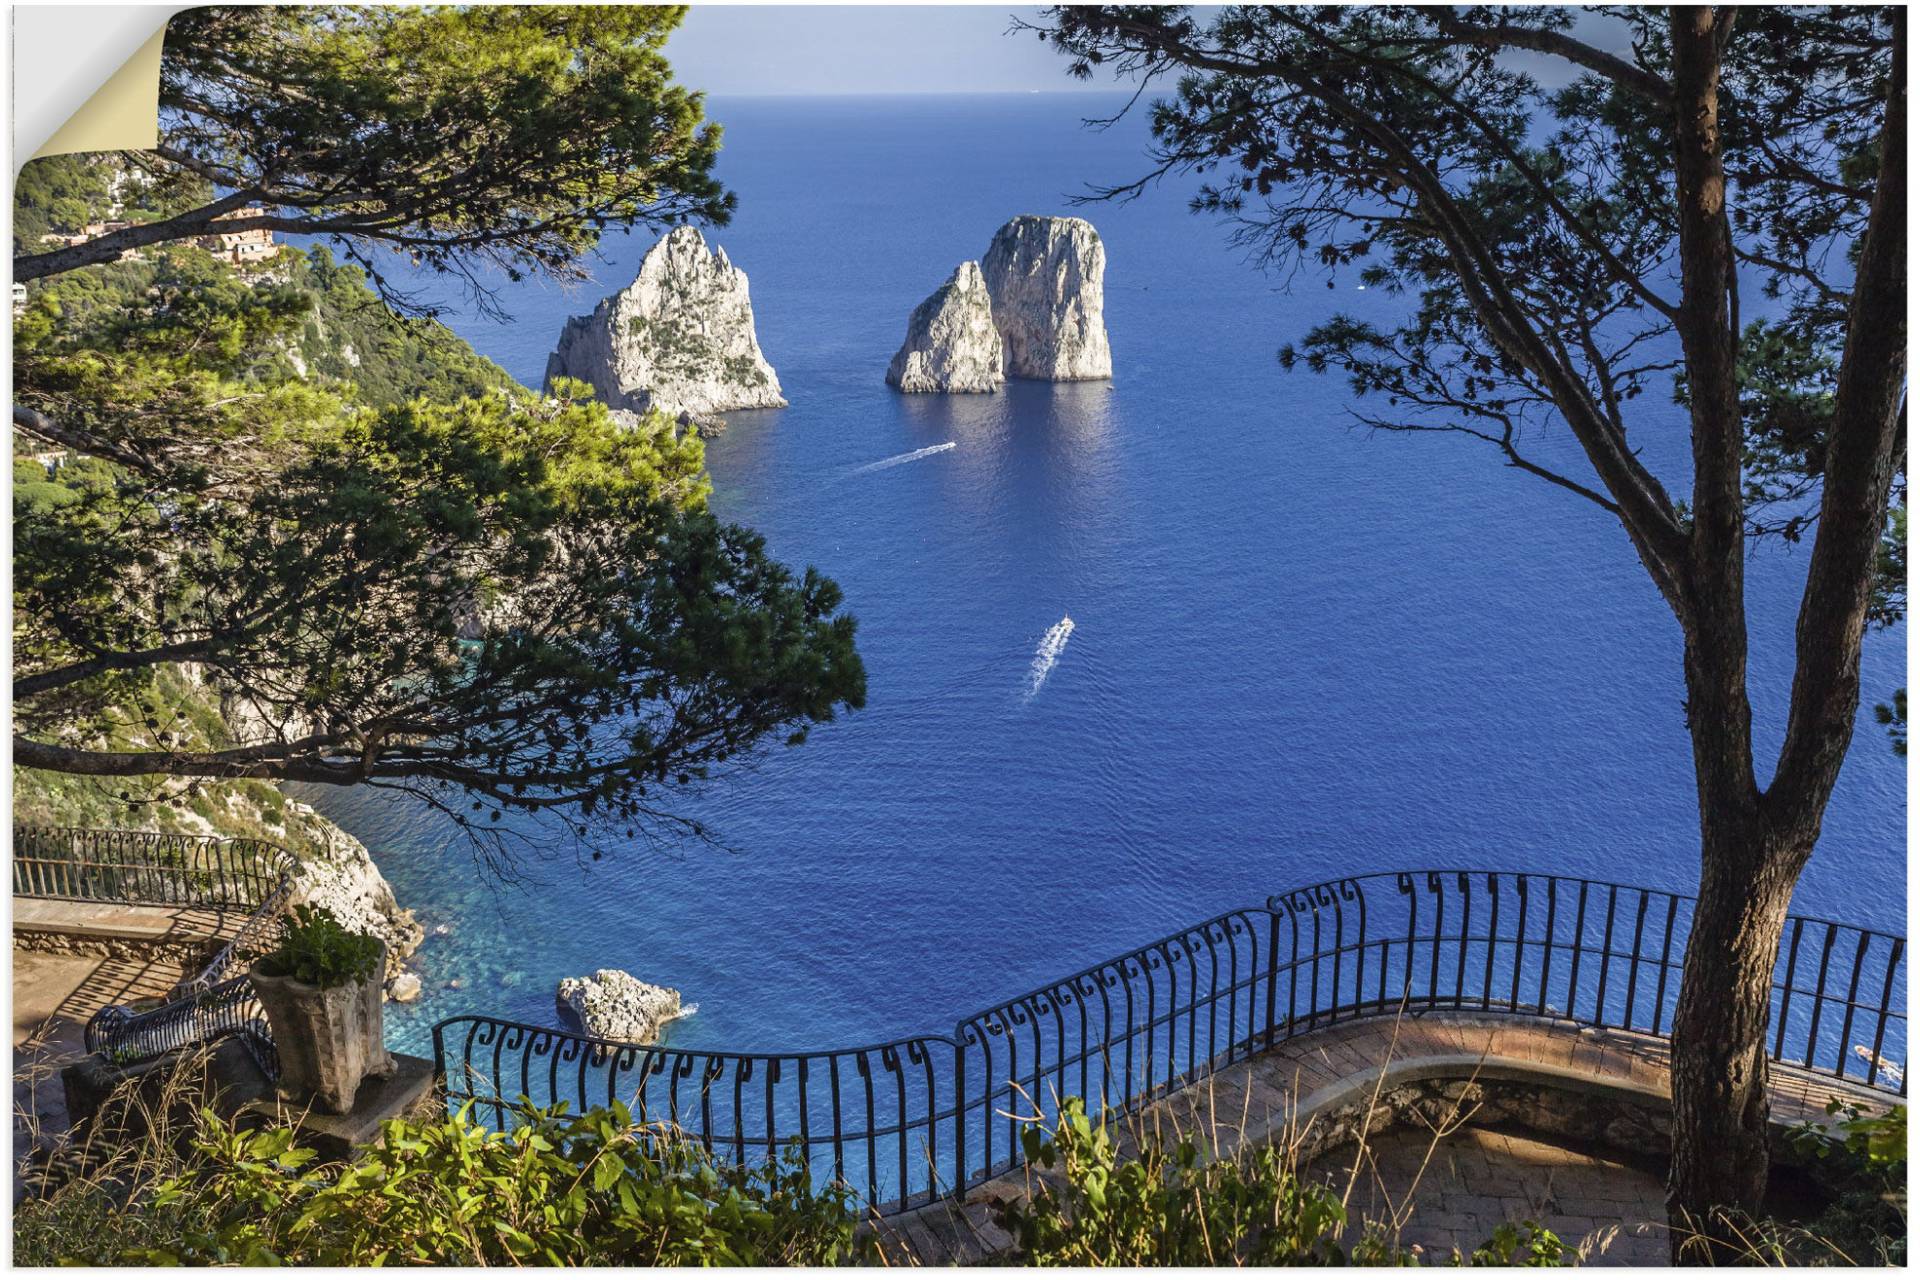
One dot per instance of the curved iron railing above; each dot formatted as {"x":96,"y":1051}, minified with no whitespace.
{"x":144,"y":867}
{"x":907,"y":1121}
{"x":153,"y":869}
{"x":229,"y":1008}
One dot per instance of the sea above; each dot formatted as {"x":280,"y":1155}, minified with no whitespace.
{"x":1138,"y":652}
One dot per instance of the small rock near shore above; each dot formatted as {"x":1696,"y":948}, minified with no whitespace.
{"x":614,"y":1005}
{"x":404,"y":989}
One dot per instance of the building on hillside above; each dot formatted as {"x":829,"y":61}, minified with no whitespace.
{"x":241,"y":247}
{"x":118,"y":182}
{"x":19,"y":298}
{"x":92,"y":231}
{"x":28,"y":450}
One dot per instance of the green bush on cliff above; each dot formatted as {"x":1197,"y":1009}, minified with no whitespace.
{"x":352,"y":342}
{"x":492,"y":603}
{"x":62,"y":194}
{"x":1860,"y":1161}
{"x":350,"y":336}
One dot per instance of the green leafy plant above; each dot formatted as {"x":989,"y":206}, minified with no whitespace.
{"x":1862,"y":1161}
{"x":1172,"y":1205}
{"x":1869,"y":1142}
{"x":559,"y":1190}
{"x":320,"y":951}
{"x":1521,"y":1244}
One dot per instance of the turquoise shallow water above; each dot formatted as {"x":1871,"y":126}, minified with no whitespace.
{"x":1298,"y":650}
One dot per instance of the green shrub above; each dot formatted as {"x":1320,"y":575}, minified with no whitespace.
{"x":561,"y":1190}
{"x":1521,"y":1244}
{"x":1863,"y":1163}
{"x":1171,"y":1206}
{"x":318,"y":950}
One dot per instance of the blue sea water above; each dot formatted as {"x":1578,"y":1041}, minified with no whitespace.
{"x":1298,"y":651}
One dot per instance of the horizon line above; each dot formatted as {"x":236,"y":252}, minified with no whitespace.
{"x":914,"y":93}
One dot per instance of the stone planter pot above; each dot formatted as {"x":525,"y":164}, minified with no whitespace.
{"x":329,"y":1038}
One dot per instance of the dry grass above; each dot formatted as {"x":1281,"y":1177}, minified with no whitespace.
{"x":90,"y":1184}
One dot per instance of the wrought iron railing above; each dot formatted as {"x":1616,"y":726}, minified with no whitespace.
{"x":151,"y":869}
{"x":144,"y":867}
{"x":907,"y":1121}
{"x":207,"y":1014}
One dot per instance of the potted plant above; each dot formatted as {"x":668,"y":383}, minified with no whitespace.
{"x":321,"y":989}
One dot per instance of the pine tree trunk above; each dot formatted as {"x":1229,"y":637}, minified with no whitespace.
{"x":1747,"y":874}
{"x":1720,"y":1025}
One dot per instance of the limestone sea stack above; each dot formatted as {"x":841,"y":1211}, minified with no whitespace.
{"x":1046,"y":277}
{"x":680,"y":338}
{"x":615,"y":1005}
{"x":952,"y":344}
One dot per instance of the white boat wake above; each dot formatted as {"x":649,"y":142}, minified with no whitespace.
{"x":896,"y":460}
{"x":1051,"y":646}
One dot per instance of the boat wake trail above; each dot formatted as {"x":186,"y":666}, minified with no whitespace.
{"x":1051,"y":646}
{"x":895,"y":461}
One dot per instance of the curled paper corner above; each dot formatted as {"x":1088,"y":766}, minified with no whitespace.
{"x":123,"y":114}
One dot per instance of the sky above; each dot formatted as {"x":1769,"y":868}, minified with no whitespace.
{"x":62,"y":53}
{"x":731,"y":50}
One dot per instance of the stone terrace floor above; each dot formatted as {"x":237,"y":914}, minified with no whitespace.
{"x":112,"y":954}
{"x":1470,"y":1183}
{"x":1445,"y":1192}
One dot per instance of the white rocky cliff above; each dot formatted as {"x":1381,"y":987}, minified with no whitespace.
{"x":615,"y":1005}
{"x":952,"y":344}
{"x":680,"y":338}
{"x":1046,"y":277}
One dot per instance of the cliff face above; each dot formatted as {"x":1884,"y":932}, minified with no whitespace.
{"x":952,"y":344}
{"x":680,"y":338}
{"x":1047,"y":277}
{"x":336,"y":870}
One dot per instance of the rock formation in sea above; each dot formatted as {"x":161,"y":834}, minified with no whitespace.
{"x":615,"y":1005}
{"x":1046,"y":277}
{"x":952,"y":344}
{"x":680,"y":338}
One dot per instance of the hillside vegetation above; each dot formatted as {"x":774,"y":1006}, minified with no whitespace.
{"x":346,"y":340}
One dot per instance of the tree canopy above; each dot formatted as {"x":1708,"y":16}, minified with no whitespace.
{"x":387,"y":562}
{"x":469,"y":139}
{"x":1536,"y":228}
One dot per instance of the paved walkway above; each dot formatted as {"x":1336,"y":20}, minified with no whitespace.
{"x":141,"y":954}
{"x":53,"y":996}
{"x":1319,"y":1090}
{"x":123,"y":921}
{"x":1441,"y":1192}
